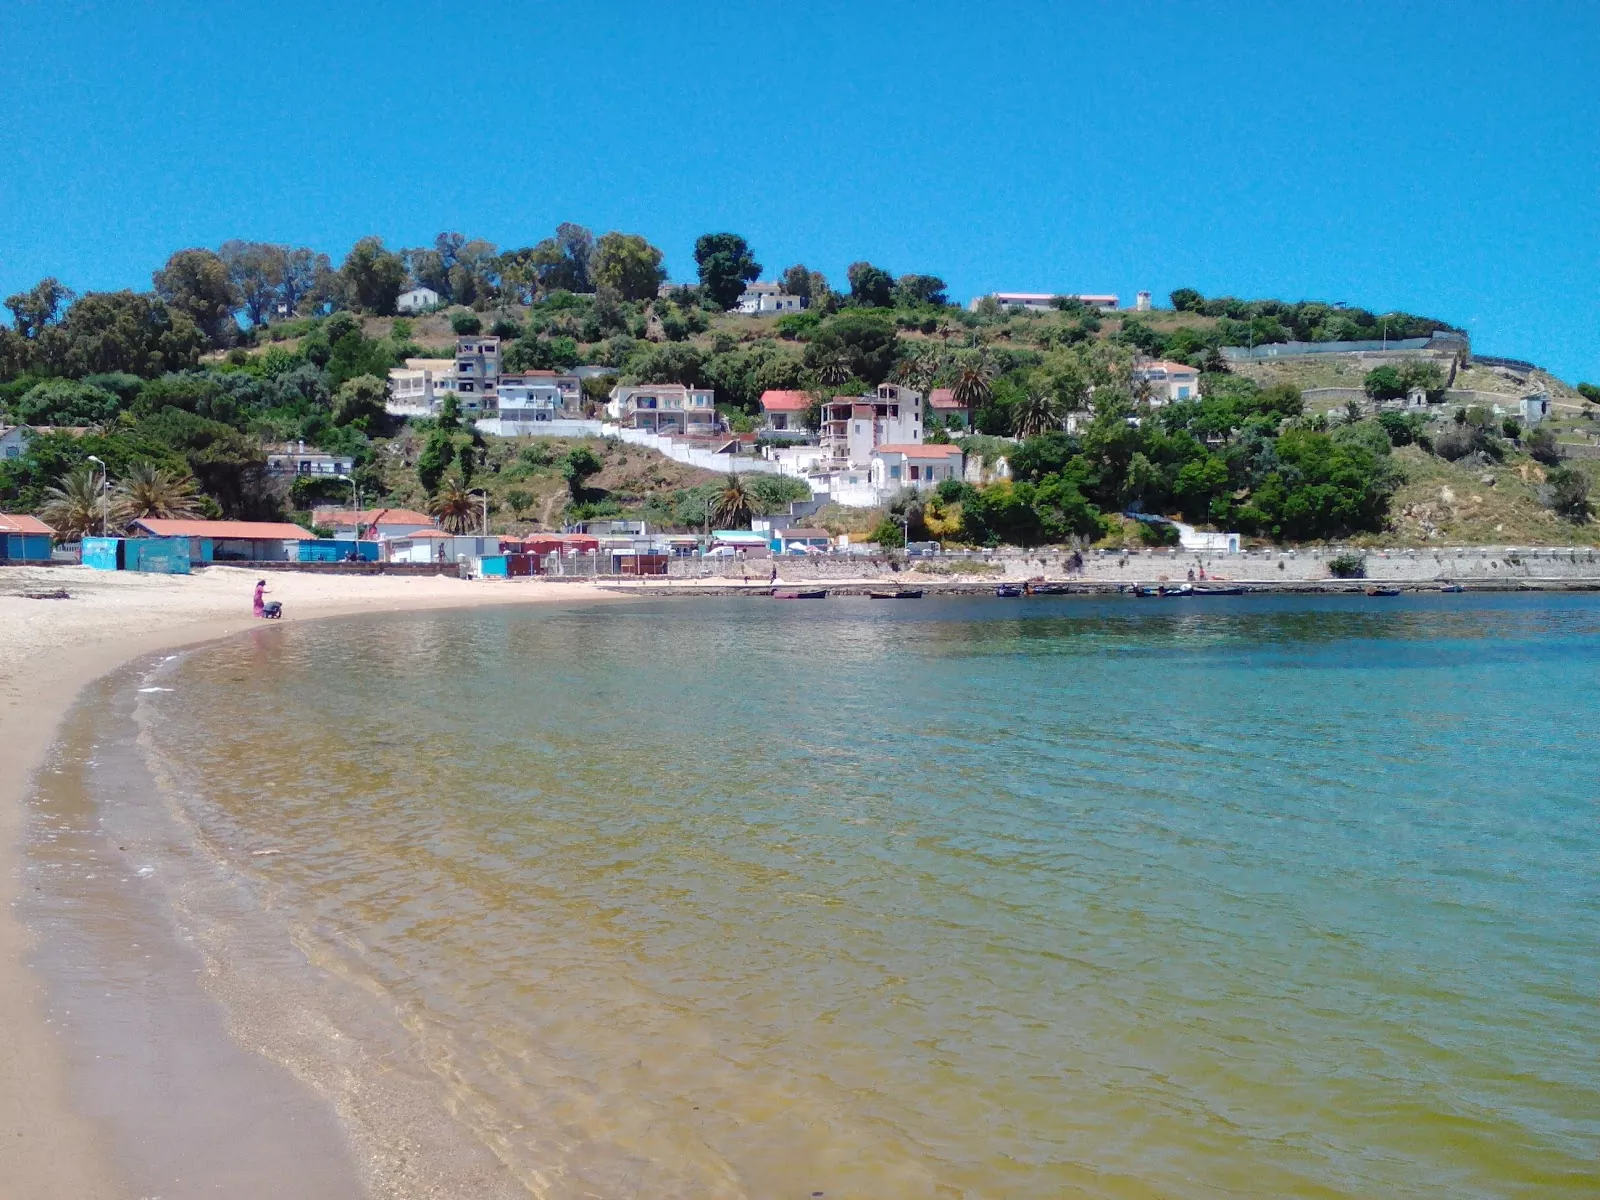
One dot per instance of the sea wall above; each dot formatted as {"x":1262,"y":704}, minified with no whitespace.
{"x":1474,"y":563}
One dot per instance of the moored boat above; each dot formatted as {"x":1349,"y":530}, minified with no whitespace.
{"x":1383,"y":591}
{"x":898,"y":594}
{"x":1008,"y":589}
{"x":799,"y":593}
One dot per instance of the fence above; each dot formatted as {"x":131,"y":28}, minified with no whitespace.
{"x":694,"y":456}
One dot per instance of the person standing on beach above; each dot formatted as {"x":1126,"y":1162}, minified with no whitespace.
{"x":260,"y":605}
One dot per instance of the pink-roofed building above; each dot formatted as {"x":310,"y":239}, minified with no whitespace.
{"x":948,"y":409}
{"x":854,"y":426}
{"x":1168,"y":382}
{"x":785,"y":410}
{"x":915,"y":466}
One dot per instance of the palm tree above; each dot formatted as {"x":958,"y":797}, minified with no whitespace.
{"x":835,"y":367}
{"x":453,"y":505}
{"x":75,"y":509}
{"x":972,"y":386}
{"x":1037,"y":415}
{"x":146,"y":490}
{"x":732,"y":507}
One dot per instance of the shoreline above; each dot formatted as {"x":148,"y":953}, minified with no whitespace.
{"x":50,"y":652}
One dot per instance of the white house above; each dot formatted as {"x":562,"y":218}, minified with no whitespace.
{"x":416,"y":389}
{"x":1534,"y":408}
{"x":854,"y":426}
{"x":663,"y":408}
{"x":918,"y":467}
{"x":764,"y":299}
{"x":418,"y":299}
{"x":1169,"y":382}
{"x":1045,"y":301}
{"x":785,"y":410}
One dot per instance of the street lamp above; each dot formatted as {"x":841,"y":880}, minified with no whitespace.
{"x":105,"y":485}
{"x":355,"y":504}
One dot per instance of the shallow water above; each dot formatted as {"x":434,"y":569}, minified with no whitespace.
{"x":1029,"y":898}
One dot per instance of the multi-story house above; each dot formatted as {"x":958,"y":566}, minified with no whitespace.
{"x":416,"y":389}
{"x":478,"y":372}
{"x":1167,"y":382}
{"x":295,"y":459}
{"x":785,"y":412}
{"x":854,"y":426}
{"x":763,"y":299}
{"x":539,"y":396}
{"x":663,"y":408}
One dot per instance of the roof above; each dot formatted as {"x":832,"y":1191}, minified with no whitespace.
{"x":804,"y":533}
{"x":1171,"y":368}
{"x":785,"y":401}
{"x":373,"y":516}
{"x":418,"y":533}
{"x":1085,"y":297}
{"x":926,"y":450}
{"x":944,"y":398}
{"x":266,"y":531}
{"x":22,"y":523}
{"x":430,"y":364}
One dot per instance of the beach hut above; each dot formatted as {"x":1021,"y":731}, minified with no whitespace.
{"x":334,"y":550}
{"x":227,"y":541}
{"x":24,"y":539}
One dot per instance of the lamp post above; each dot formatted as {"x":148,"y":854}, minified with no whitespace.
{"x":105,"y":484}
{"x":355,"y":504}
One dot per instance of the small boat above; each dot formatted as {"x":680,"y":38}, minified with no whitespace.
{"x":1218,"y":591}
{"x":1163,"y":591}
{"x":1452,"y":587}
{"x":1009,"y":590}
{"x":1383,"y":591}
{"x":900,"y":594}
{"x":1049,"y":589}
{"x":799,"y":593}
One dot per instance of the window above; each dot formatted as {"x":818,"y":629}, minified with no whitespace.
{"x":914,"y":472}
{"x":894,"y":472}
{"x":1183,"y":393}
{"x":466,"y":385}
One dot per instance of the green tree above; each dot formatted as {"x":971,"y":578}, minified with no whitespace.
{"x":40,"y":307}
{"x":454,"y":505}
{"x":147,"y":489}
{"x":1565,"y":491}
{"x":373,"y":277}
{"x":864,"y":342}
{"x":76,"y":506}
{"x":733,"y":506}
{"x":1187,"y":300}
{"x":359,"y":402}
{"x":726,"y":265}
{"x":797,"y":281}
{"x":107,"y":332}
{"x":1038,"y":414}
{"x":66,"y":402}
{"x":911,"y":291}
{"x":1384,"y":383}
{"x":1588,"y":391}
{"x":256,"y":271}
{"x":196,"y":283}
{"x":628,"y":266}
{"x":580,"y":464}
{"x":870,"y":286}
{"x":437,"y":456}
{"x":465,"y":324}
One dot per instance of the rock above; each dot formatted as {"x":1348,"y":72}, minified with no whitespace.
{"x":1486,"y":480}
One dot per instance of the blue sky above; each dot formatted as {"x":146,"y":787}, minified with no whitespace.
{"x":1399,"y":156}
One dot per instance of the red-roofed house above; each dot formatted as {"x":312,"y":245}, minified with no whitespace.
{"x":916,"y":466}
{"x":1168,"y":382}
{"x":24,"y":539}
{"x":785,"y":410}
{"x":948,"y":409}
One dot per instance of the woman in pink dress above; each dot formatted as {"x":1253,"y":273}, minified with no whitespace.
{"x":260,"y":605}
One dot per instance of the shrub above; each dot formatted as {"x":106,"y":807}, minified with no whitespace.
{"x":1456,"y":442}
{"x":465,"y":324}
{"x":1402,"y":428}
{"x":1541,"y":446}
{"x":1347,"y":566}
{"x":1566,"y":492}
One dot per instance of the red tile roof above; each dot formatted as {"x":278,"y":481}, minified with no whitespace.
{"x":922,"y":451}
{"x":22,"y":523}
{"x":944,"y":398}
{"x":784,"y":401}
{"x":266,"y":531}
{"x":1171,"y":368}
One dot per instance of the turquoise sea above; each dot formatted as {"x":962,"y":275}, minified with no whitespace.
{"x":1245,"y":897}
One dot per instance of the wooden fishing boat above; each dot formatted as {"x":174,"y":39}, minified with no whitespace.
{"x":898,"y":594}
{"x":1008,"y":590}
{"x":799,"y":593}
{"x":1383,"y":591}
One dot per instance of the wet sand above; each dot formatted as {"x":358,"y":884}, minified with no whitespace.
{"x":52,"y":1143}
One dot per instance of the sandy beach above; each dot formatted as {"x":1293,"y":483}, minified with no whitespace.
{"x":50,"y":649}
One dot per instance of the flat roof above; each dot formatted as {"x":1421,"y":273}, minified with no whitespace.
{"x":266,"y":531}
